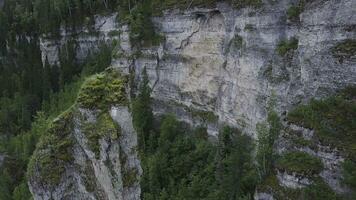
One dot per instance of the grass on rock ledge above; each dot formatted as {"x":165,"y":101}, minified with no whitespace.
{"x":333,"y":120}
{"x":300,"y":163}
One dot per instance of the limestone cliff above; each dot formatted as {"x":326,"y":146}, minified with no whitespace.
{"x":222,"y":66}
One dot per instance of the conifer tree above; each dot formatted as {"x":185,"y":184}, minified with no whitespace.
{"x":142,"y":111}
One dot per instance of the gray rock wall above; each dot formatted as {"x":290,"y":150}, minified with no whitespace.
{"x":225,"y":60}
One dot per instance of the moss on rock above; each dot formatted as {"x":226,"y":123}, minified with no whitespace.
{"x":53,"y":152}
{"x":104,"y":126}
{"x":300,"y":163}
{"x":286,"y":46}
{"x":345,"y":49}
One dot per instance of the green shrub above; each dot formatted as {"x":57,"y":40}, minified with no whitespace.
{"x":267,"y":133}
{"x":300,"y":163}
{"x":349,"y":174}
{"x":333,"y":120}
{"x":319,"y":190}
{"x":345,"y":49}
{"x":294,"y":11}
{"x":285,"y":46}
{"x":247,"y":3}
{"x":114,"y":33}
{"x":249,"y":27}
{"x":237,"y":41}
{"x":103,"y":90}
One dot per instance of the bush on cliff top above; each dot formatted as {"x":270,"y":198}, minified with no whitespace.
{"x":103,"y":90}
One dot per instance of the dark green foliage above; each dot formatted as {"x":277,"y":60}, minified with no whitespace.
{"x":349,"y":174}
{"x":50,"y":14}
{"x":286,"y":46}
{"x":294,"y":11}
{"x":186,"y":166}
{"x":99,"y":60}
{"x":345,"y":49}
{"x":129,"y":177}
{"x":142,"y":111}
{"x":249,"y":27}
{"x":235,"y":170}
{"x":28,"y":86}
{"x":103,"y":90}
{"x":320,"y":191}
{"x":21,"y":192}
{"x":267,"y":134}
{"x":142,"y":31}
{"x":69,"y":67}
{"x":299,"y":162}
{"x":333,"y":120}
{"x":317,"y":190}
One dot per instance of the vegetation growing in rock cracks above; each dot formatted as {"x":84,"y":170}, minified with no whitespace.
{"x":345,"y":49}
{"x":285,"y":46}
{"x":103,"y":126}
{"x":267,"y":134}
{"x":294,"y":11}
{"x":318,"y":190}
{"x":53,"y":152}
{"x":333,"y":120}
{"x":300,"y":163}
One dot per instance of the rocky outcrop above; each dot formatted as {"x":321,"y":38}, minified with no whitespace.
{"x":263,"y":196}
{"x":88,"y":154}
{"x":292,"y":180}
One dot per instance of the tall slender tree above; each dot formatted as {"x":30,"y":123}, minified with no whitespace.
{"x":142,"y":111}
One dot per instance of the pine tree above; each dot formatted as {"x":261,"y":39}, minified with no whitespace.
{"x":142,"y":111}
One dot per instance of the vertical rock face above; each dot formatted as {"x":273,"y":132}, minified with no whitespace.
{"x":86,"y":39}
{"x":226,"y":60}
{"x":87,"y":154}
